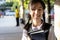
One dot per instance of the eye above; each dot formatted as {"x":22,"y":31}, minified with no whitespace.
{"x":33,"y":9}
{"x":39,"y":9}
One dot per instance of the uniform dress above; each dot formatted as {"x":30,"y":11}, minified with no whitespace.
{"x":39,"y":34}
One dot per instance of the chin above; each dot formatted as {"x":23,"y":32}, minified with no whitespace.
{"x":37,"y":19}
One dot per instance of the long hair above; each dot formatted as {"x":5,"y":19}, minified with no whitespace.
{"x":27,"y":26}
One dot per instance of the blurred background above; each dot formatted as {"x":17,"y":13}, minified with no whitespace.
{"x":8,"y":29}
{"x":7,"y":8}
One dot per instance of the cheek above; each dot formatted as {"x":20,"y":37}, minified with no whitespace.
{"x":41,"y":13}
{"x":32,"y":14}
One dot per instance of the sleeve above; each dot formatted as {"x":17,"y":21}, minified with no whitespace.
{"x":51,"y":35}
{"x":25,"y":36}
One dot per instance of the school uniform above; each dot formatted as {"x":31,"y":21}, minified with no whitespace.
{"x":42,"y":32}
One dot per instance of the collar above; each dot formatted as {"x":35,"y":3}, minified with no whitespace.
{"x":38,"y":27}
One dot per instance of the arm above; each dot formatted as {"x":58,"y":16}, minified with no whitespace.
{"x":51,"y":34}
{"x":25,"y":36}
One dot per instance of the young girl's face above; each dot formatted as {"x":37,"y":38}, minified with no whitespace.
{"x":36,"y":11}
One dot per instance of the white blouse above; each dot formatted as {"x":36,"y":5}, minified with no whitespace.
{"x":51,"y":33}
{"x":38,"y":27}
{"x":25,"y":36}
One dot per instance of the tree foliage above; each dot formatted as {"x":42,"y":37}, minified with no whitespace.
{"x":26,"y":4}
{"x":51,"y":2}
{"x":4,"y":5}
{"x":15,"y":3}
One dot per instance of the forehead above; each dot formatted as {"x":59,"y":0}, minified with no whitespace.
{"x":36,"y":5}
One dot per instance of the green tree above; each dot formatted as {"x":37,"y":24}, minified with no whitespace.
{"x":5,"y":5}
{"x":51,"y":2}
{"x":26,"y":4}
{"x":15,"y":3}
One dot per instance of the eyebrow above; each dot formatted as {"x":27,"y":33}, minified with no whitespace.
{"x":40,"y":7}
{"x":35,"y":7}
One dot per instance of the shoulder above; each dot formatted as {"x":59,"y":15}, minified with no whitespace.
{"x":24,"y":31}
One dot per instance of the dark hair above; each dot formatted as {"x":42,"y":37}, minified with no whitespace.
{"x":37,"y":1}
{"x":27,"y":26}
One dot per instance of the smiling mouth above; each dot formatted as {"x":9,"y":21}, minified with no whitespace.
{"x":38,"y":16}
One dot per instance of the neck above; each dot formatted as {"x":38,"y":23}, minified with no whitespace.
{"x":37,"y":23}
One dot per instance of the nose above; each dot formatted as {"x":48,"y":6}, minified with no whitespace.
{"x":36,"y":11}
